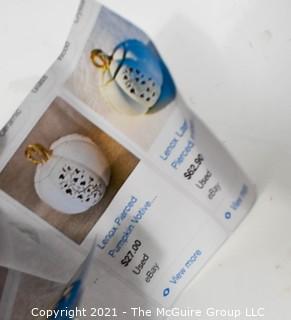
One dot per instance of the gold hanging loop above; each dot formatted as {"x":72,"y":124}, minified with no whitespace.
{"x":100,"y":59}
{"x":37,"y":153}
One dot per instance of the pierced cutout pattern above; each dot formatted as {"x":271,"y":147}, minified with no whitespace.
{"x":80,"y":184}
{"x":139,"y":85}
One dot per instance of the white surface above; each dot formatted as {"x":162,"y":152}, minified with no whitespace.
{"x":9,"y":294}
{"x":240,"y":54}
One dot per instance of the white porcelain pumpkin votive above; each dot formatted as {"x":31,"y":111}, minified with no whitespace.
{"x":72,"y":176}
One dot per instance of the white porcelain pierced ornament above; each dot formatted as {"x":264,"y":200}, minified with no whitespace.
{"x":72,"y":176}
{"x":132,"y":77}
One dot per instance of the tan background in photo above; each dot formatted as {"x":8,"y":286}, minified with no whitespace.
{"x":17,"y":177}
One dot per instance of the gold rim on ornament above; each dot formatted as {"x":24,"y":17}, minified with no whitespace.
{"x":37,"y":153}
